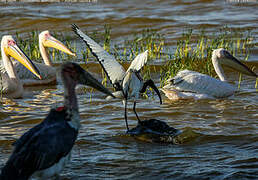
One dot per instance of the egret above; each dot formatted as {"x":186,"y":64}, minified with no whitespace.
{"x":10,"y":84}
{"x":128,"y":84}
{"x":47,"y":70}
{"x":191,"y":84}
{"x":44,"y":150}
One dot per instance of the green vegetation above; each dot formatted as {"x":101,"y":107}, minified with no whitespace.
{"x":193,"y":49}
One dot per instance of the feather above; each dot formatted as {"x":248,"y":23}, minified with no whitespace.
{"x":41,"y":147}
{"x":139,"y":61}
{"x":194,"y":82}
{"x":112,"y":68}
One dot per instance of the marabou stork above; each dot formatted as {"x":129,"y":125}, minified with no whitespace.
{"x":44,"y":150}
{"x":128,"y":84}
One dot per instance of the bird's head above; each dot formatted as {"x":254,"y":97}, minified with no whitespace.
{"x":11,"y":49}
{"x":223,"y":57}
{"x":73,"y":74}
{"x":48,"y":40}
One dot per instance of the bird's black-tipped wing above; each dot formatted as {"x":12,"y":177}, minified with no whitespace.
{"x":41,"y":147}
{"x":112,"y":68}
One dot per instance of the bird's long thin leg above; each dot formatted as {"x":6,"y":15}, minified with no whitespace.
{"x":134,"y":105}
{"x":126,"y":123}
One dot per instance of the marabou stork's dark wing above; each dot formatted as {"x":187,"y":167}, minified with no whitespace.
{"x":112,"y":68}
{"x":41,"y":147}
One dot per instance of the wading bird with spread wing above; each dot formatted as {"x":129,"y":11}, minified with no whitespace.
{"x":48,"y":72}
{"x":10,"y":84}
{"x":191,"y":84}
{"x":44,"y":150}
{"x":128,"y":84}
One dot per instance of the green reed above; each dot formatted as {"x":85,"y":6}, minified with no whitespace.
{"x":194,"y":51}
{"x":29,"y":43}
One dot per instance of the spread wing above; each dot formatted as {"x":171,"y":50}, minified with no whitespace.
{"x":112,"y":68}
{"x":139,"y":61}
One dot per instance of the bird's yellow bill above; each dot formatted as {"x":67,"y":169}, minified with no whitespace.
{"x":15,"y":52}
{"x":54,"y":43}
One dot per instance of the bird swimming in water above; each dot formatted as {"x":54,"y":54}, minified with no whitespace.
{"x":154,"y":130}
{"x":190,"y":84}
{"x":44,"y":150}
{"x":128,"y":84}
{"x":10,"y":83}
{"x":48,"y":71}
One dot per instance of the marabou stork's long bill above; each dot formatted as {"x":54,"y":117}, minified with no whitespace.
{"x":43,"y":151}
{"x":191,"y":84}
{"x":128,"y":84}
{"x":10,"y":84}
{"x":48,"y":72}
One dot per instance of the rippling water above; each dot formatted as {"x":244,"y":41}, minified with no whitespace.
{"x":221,"y":135}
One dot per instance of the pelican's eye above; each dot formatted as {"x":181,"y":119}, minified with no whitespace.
{"x":47,"y":35}
{"x":11,"y":42}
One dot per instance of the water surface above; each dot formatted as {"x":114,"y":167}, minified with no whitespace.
{"x":222,"y":141}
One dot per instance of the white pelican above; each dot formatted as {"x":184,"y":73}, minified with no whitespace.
{"x":43,"y":151}
{"x":189,"y":84}
{"x":10,"y":84}
{"x":48,"y":72}
{"x":128,"y":84}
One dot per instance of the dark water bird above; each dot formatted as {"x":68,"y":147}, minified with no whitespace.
{"x":154,"y":130}
{"x":190,"y":84}
{"x":10,"y":83}
{"x":128,"y":84}
{"x":44,"y":150}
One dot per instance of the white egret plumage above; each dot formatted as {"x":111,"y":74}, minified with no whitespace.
{"x":128,"y":84}
{"x":10,"y":84}
{"x":46,"y":40}
{"x":44,"y":150}
{"x":191,"y":84}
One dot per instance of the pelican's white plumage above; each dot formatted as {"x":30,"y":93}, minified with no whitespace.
{"x":48,"y":72}
{"x":10,"y":84}
{"x":190,"y":84}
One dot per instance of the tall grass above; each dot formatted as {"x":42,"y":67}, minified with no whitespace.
{"x":29,"y":43}
{"x":193,"y":49}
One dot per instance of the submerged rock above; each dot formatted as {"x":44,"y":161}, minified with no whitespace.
{"x":154,"y":130}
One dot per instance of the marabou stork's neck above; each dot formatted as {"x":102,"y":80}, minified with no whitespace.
{"x":70,"y":102}
{"x":70,"y":99}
